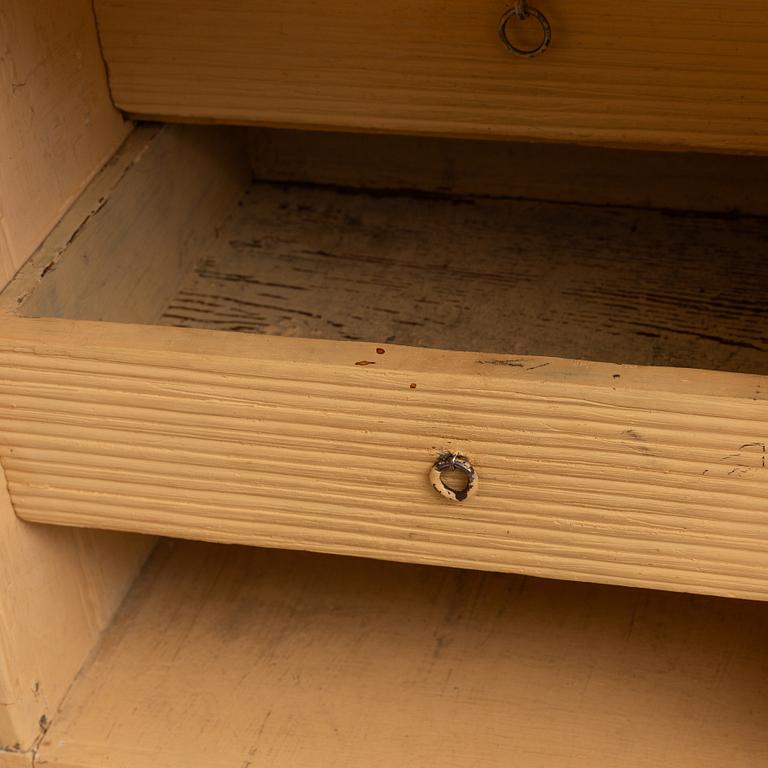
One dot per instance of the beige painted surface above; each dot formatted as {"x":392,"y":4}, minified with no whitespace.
{"x":58,"y":588}
{"x":655,"y":73}
{"x":227,"y":657}
{"x":622,"y":474}
{"x":57,"y":123}
{"x":62,"y":586}
{"x":515,"y":277}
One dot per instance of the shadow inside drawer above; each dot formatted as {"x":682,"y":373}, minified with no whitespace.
{"x":508,"y":276}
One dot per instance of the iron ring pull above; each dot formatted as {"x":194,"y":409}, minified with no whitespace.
{"x":453,"y":461}
{"x":521,"y":11}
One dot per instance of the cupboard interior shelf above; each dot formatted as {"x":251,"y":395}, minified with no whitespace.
{"x":232,"y":656}
{"x":435,"y":264}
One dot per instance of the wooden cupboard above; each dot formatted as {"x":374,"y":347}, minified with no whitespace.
{"x":264,"y":338}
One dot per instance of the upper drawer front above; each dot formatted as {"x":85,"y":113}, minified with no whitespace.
{"x":665,"y":73}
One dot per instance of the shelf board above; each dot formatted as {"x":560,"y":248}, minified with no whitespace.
{"x":243,"y":657}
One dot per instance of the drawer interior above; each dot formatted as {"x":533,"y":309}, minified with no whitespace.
{"x":511,"y":277}
{"x":497,"y":273}
{"x":232,"y":656}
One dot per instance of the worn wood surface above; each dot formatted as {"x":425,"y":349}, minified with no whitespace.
{"x":123,"y":248}
{"x":57,"y":122}
{"x":506,"y":276}
{"x":661,"y":74}
{"x":240,"y":657}
{"x":687,"y":181}
{"x":58,"y":588}
{"x":622,"y":474}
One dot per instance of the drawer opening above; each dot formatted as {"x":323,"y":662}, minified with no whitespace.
{"x":280,"y":361}
{"x":227,"y":656}
{"x":471,"y":271}
{"x":508,"y":277}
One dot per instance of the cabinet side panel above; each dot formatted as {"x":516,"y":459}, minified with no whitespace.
{"x":57,"y":128}
{"x":58,"y":590}
{"x":57,"y":122}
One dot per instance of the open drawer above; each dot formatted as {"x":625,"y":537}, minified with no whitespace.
{"x":195,"y":354}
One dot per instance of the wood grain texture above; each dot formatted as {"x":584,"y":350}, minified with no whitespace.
{"x":57,"y":123}
{"x":506,"y":276}
{"x":684,"y":181}
{"x":621,"y":474}
{"x":123,"y":248}
{"x":656,"y":74}
{"x":240,"y":657}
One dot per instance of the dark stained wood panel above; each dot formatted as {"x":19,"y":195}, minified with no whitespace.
{"x":245,"y":658}
{"x":470,"y":273}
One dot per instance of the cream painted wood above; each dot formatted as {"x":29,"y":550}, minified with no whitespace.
{"x":654,"y":74}
{"x":227,"y":656}
{"x":125,"y":246}
{"x":623,"y":474}
{"x":57,"y":122}
{"x":16,"y":759}
{"x":648,"y":476}
{"x":61,"y":587}
{"x":58,"y":588}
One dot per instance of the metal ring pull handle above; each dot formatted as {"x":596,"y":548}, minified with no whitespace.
{"x":522,"y":11}
{"x":453,"y":461}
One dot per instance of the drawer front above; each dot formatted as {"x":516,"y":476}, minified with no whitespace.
{"x":656,"y":73}
{"x":586,"y":471}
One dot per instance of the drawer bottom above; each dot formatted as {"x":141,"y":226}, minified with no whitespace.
{"x":233,"y":656}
